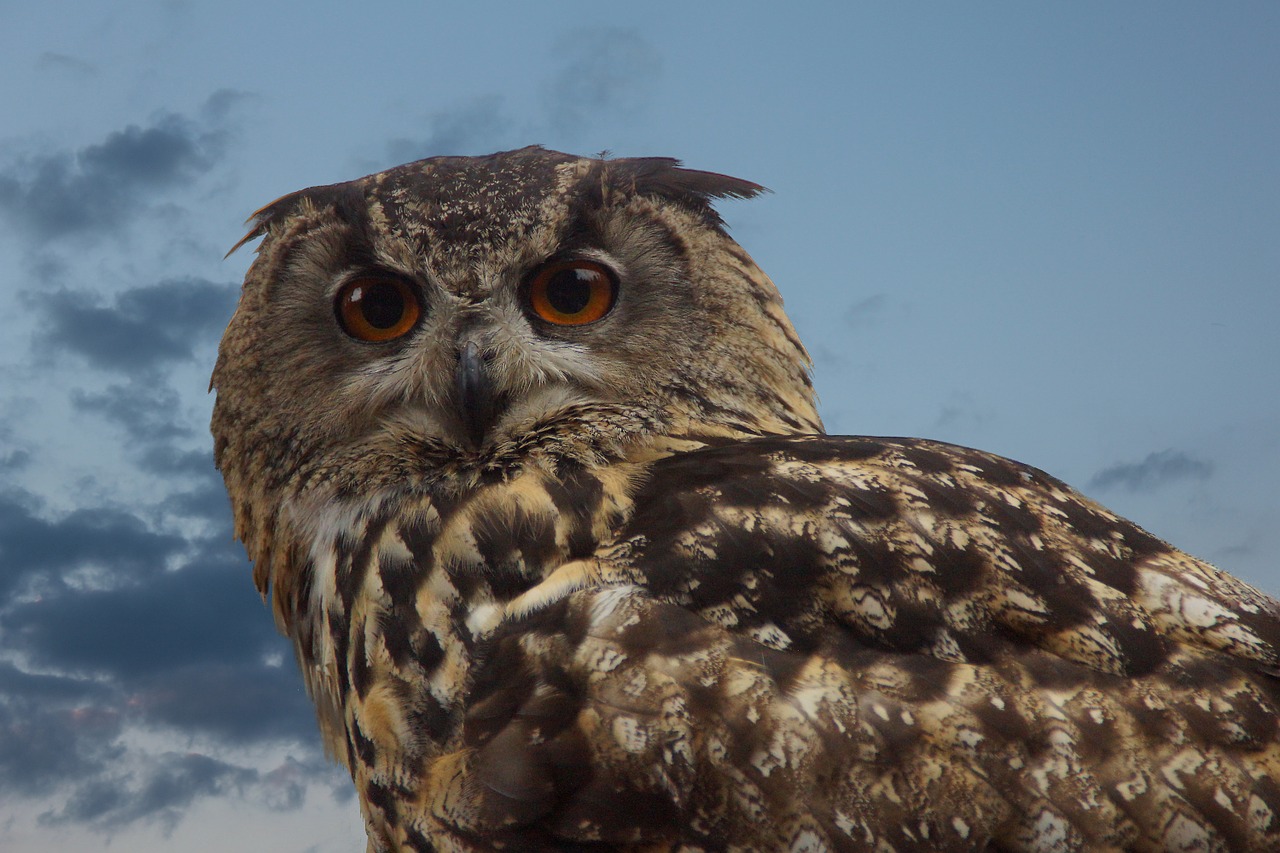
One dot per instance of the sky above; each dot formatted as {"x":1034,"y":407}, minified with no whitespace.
{"x":1050,"y":230}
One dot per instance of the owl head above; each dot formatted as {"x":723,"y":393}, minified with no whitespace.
{"x":456,"y":318}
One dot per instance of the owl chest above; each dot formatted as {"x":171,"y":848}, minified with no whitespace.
{"x":403,"y":592}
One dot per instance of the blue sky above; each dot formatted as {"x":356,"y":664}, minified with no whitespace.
{"x":1046,"y":230}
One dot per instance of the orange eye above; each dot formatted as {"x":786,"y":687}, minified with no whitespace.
{"x":377,"y":309}
{"x":572,"y":293}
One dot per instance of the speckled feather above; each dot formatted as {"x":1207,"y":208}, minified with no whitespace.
{"x":656,"y":609}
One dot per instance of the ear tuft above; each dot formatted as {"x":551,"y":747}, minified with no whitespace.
{"x":343,"y":197}
{"x":664,"y":177}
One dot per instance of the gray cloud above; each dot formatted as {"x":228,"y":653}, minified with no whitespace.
{"x":188,"y":650}
{"x":14,"y":457}
{"x":99,"y":188}
{"x":148,"y":410}
{"x":14,"y":460}
{"x":252,"y":702}
{"x":960,"y":412}
{"x":866,"y":312}
{"x":478,"y":126}
{"x":219,"y":107}
{"x":144,"y":328}
{"x":101,"y":537}
{"x":1157,"y":469}
{"x":141,"y":334}
{"x":165,"y":789}
{"x":117,"y":619}
{"x":65,"y":63}
{"x":44,"y":742}
{"x":208,"y":500}
{"x":167,"y":460}
{"x":603,"y":69}
{"x":64,"y":734}
{"x":167,"y":620}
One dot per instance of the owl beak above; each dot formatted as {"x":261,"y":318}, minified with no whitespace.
{"x":477,"y":400}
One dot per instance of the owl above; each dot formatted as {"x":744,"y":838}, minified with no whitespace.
{"x":526,"y":456}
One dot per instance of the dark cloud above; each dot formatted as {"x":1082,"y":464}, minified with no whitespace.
{"x":1157,"y":469}
{"x":47,"y":741}
{"x":866,"y":312}
{"x":171,"y":783}
{"x":960,"y":412}
{"x":46,"y":688}
{"x":208,"y":614}
{"x":100,"y":187}
{"x":141,"y":334}
{"x":104,"y":538}
{"x":148,"y":410}
{"x":221,"y":105}
{"x":64,"y":63}
{"x":172,"y":622}
{"x":601,"y":70}
{"x":252,"y":702}
{"x":143,"y":328}
{"x":168,"y":460}
{"x":478,"y":126}
{"x":207,"y":500}
{"x":14,"y":457}
{"x":14,"y":460}
{"x":129,"y":619}
{"x":67,"y":735}
{"x":188,"y":650}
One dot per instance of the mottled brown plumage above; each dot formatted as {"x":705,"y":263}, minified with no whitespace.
{"x":607,"y":586}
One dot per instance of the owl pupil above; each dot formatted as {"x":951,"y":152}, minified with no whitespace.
{"x":382,"y":305}
{"x":569,"y":292}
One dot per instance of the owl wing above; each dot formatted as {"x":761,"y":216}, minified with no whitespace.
{"x":875,"y":644}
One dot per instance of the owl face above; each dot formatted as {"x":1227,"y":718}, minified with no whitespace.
{"x":458,"y":316}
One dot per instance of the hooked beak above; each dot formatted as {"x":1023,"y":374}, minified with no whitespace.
{"x":477,"y":401}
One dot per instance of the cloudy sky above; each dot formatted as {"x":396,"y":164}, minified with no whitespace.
{"x":1048,"y":230}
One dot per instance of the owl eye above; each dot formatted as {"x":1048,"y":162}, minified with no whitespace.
{"x":377,"y":309}
{"x":571,"y":293}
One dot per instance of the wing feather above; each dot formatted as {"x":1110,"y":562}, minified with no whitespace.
{"x":856,"y":644}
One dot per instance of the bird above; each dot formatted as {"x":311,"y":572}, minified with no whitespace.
{"x":527,"y":458}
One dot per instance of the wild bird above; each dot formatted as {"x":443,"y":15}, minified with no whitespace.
{"x":526,"y":454}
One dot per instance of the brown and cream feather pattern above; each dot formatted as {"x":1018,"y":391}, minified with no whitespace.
{"x":649,"y":615}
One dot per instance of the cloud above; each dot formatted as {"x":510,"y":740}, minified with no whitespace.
{"x":207,"y":500}
{"x":960,"y":413}
{"x":1156,"y":470}
{"x":167,"y":636}
{"x":99,"y":188}
{"x":141,"y":333}
{"x":45,"y":741}
{"x":13,"y":457}
{"x":140,"y":671}
{"x":168,"y":785}
{"x":171,"y":623}
{"x":598,"y":71}
{"x":167,"y":460}
{"x":219,"y":107}
{"x":66,"y":64}
{"x":72,"y":735}
{"x":162,"y":622}
{"x":144,"y":328}
{"x":601,"y":70}
{"x":14,"y":460}
{"x":866,"y":312}
{"x":93,"y":537}
{"x":478,"y":126}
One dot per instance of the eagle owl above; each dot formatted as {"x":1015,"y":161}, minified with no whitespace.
{"x":526,"y":455}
